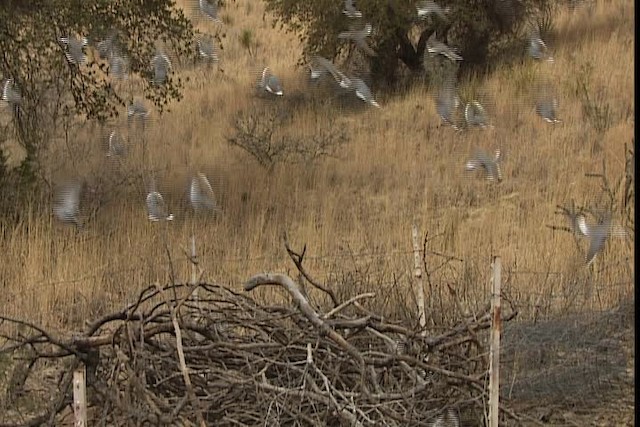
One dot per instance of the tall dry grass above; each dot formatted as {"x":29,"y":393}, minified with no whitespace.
{"x":353,"y":213}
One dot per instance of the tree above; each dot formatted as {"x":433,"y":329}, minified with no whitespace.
{"x":54,"y":91}
{"x":398,"y":34}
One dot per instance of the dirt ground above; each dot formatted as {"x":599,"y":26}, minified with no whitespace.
{"x":575,"y":371}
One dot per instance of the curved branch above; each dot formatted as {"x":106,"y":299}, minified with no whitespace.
{"x":305,"y":308}
{"x":348,"y":303}
{"x":297,"y":260}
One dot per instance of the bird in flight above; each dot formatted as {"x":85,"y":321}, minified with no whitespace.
{"x":156,"y":208}
{"x":66,"y":206}
{"x":350,"y":10}
{"x":490,"y":164}
{"x":359,"y":38}
{"x":270,"y":83}
{"x":201,"y":194}
{"x":598,"y":234}
{"x":75,"y":49}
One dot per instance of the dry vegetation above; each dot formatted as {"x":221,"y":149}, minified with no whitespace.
{"x":354,"y":212}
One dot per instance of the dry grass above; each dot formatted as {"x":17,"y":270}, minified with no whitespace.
{"x":400,"y":166}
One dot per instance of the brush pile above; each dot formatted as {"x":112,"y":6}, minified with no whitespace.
{"x":207,"y":355}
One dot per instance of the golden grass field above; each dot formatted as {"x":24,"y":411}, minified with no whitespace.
{"x":354,"y":212}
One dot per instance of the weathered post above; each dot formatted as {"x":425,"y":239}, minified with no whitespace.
{"x":494,"y":350}
{"x":419,"y":287}
{"x":80,"y":396}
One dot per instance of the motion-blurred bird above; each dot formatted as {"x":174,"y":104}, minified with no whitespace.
{"x":75,"y":49}
{"x":598,"y":234}
{"x":491,"y":165}
{"x":546,"y":108}
{"x":118,"y":66}
{"x":476,"y":115}
{"x":270,"y":83}
{"x":116,"y":146}
{"x":537,"y":48}
{"x":137,"y":110}
{"x":107,"y":46}
{"x":575,"y":219}
{"x":359,"y":38}
{"x":428,"y":7}
{"x":436,"y":47}
{"x":447,"y":104}
{"x":362,"y":91}
{"x":320,"y":66}
{"x":201,"y":194}
{"x":161,"y":66}
{"x":449,"y":418}
{"x":10,"y":93}
{"x":156,"y":208}
{"x":209,"y":9}
{"x":350,"y":10}
{"x":206,"y":49}
{"x":66,"y":206}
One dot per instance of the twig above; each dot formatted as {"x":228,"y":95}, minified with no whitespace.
{"x":297,"y":260}
{"x":347,"y":303}
{"x":344,"y":413}
{"x":183,"y":365}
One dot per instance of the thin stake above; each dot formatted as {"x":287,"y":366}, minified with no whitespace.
{"x":494,"y":351}
{"x":80,"y":396}
{"x":419,"y":291}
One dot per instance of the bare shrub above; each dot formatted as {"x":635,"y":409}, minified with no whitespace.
{"x":248,"y":41}
{"x":617,"y":192}
{"x":595,"y":109}
{"x":266,"y":133}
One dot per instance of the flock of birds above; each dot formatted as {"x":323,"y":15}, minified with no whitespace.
{"x":67,"y":200}
{"x":66,"y":206}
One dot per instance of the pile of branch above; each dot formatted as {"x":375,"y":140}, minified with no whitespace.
{"x":222,"y":358}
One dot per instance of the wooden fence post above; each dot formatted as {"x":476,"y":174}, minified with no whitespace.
{"x":419,"y":287}
{"x":80,"y":396}
{"x":494,"y":349}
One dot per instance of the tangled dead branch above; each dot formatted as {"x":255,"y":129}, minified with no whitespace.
{"x":226,"y":359}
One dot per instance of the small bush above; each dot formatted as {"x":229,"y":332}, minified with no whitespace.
{"x":227,"y":20}
{"x":266,"y":134}
{"x":248,"y":41}
{"x":595,"y":109}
